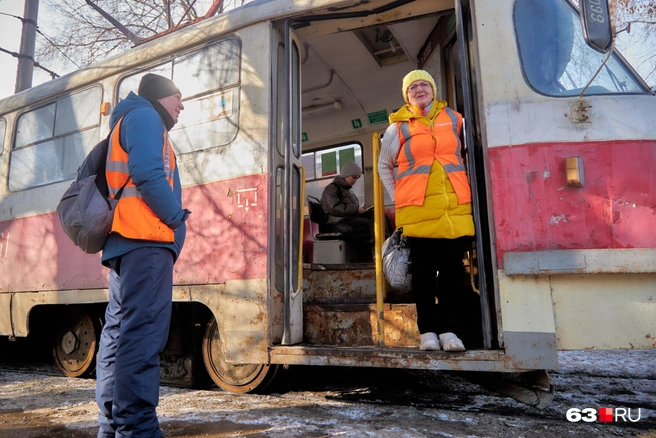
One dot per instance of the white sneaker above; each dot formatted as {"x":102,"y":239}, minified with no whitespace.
{"x":450,"y":342}
{"x":429,"y":341}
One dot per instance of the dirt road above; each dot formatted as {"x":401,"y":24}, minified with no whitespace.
{"x":353,"y":402}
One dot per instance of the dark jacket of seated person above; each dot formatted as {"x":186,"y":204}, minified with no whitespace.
{"x":344,"y":212}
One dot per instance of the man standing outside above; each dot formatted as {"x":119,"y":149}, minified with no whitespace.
{"x":148,"y":232}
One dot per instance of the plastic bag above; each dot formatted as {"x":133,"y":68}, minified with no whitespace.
{"x":396,"y":261}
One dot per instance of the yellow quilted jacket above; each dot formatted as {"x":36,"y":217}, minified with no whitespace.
{"x":440,"y":217}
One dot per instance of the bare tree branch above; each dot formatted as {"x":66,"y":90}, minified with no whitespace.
{"x":642,"y":16}
{"x":85,"y":37}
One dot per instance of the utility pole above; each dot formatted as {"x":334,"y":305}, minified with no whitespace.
{"x":28,"y":41}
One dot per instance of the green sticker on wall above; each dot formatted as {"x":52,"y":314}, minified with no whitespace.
{"x":304,"y":137}
{"x":346,"y":155}
{"x":377,"y":117}
{"x":329,"y":164}
{"x":356,"y":123}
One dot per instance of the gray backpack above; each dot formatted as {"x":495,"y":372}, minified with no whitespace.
{"x":85,"y":210}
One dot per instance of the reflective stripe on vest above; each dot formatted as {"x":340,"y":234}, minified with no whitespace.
{"x":421,"y":145}
{"x":133,"y":218}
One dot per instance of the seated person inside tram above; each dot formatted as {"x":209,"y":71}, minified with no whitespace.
{"x":343,"y":207}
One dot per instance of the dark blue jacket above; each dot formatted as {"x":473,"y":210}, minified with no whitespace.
{"x":142,"y":136}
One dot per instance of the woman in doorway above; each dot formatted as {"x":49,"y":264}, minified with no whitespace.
{"x":433,"y":205}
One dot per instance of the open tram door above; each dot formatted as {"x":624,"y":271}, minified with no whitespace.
{"x":460,"y":75}
{"x":288,"y":182}
{"x":357,"y":84}
{"x":360,"y":87}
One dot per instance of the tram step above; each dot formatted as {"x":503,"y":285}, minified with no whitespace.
{"x":356,"y":325}
{"x":346,"y":283}
{"x":391,"y":357}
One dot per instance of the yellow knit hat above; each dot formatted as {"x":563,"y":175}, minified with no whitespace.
{"x":417,"y":75}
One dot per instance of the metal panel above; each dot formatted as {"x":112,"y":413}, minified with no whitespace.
{"x":531,"y":350}
{"x":333,"y":251}
{"x":589,"y":261}
{"x":620,"y":311}
{"x":339,"y":284}
{"x":356,"y":325}
{"x":526,"y":304}
{"x":5,"y":316}
{"x":23,"y":302}
{"x":399,"y":357}
{"x":240,"y":308}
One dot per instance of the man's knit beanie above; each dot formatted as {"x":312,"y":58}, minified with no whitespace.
{"x":417,"y":75}
{"x":350,"y":169}
{"x":155,"y":87}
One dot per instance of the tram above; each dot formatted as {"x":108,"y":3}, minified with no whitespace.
{"x":560,"y":149}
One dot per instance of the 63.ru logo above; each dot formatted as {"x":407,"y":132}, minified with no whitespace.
{"x":603,"y":415}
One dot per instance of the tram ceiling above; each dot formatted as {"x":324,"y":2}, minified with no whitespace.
{"x":348,"y":66}
{"x":366,"y":15}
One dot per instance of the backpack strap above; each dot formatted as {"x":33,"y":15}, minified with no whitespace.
{"x":104,"y":163}
{"x":120,"y":191}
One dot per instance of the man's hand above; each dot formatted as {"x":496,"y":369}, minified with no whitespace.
{"x":361,"y":210}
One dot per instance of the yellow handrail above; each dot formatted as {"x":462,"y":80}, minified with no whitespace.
{"x":379,"y":234}
{"x":300,"y":231}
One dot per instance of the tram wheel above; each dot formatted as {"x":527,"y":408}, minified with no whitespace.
{"x":76,"y":344}
{"x":229,"y":377}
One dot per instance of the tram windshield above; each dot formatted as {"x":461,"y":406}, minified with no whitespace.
{"x":556,"y":59}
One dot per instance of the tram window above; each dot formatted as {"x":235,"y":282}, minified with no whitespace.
{"x":297,"y":204}
{"x":280,"y":101}
{"x":35,"y":126}
{"x":281,"y":113}
{"x":207,"y":122}
{"x":208,"y":79}
{"x":279,"y":238}
{"x":212,"y":68}
{"x":555,"y":58}
{"x":3,"y":130}
{"x":77,"y":110}
{"x":131,"y":83}
{"x":296,"y":101}
{"x":322,"y":166}
{"x":308,"y":164}
{"x":52,"y":141}
{"x":279,"y":226}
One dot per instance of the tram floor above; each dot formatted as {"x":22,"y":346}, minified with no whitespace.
{"x":351,"y":402}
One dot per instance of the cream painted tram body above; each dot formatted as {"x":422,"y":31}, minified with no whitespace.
{"x":278,"y":94}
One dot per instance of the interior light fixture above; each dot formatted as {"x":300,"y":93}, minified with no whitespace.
{"x":314,"y":110}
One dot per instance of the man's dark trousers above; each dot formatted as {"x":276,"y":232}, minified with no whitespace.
{"x":135,"y":332}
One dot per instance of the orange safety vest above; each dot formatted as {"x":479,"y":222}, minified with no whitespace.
{"x":421,"y":145}
{"x":133,"y":218}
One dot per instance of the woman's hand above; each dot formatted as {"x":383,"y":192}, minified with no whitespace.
{"x":361,"y":210}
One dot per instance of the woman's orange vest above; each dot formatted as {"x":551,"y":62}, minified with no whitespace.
{"x":421,"y":145}
{"x":133,"y":218}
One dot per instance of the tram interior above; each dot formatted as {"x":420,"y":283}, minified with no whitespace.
{"x":351,"y":80}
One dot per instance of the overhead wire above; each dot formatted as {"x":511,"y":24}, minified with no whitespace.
{"x":35,"y":63}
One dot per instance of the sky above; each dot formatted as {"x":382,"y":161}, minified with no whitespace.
{"x":10,"y":33}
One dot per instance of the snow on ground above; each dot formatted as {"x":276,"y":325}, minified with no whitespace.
{"x":356,"y":402}
{"x":615,"y":363}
